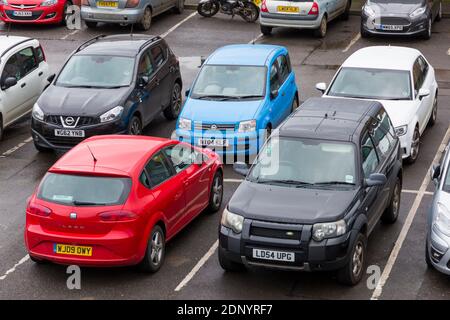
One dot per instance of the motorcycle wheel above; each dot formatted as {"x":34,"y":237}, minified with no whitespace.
{"x":208,"y":9}
{"x":249,"y":12}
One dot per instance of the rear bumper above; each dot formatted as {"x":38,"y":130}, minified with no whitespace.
{"x":289,"y":21}
{"x":40,"y":15}
{"x":111,"y":15}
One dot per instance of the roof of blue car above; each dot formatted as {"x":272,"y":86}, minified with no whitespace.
{"x":243,"y":54}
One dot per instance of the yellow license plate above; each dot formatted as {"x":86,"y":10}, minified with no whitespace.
{"x":108,"y":4}
{"x":287,"y":9}
{"x":257,"y":2}
{"x":72,"y":250}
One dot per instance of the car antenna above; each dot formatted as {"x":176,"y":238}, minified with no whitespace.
{"x":92,"y":154}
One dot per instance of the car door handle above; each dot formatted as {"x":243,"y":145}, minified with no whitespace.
{"x":157,"y":82}
{"x":23,"y":85}
{"x":171,"y":69}
{"x":40,"y":74}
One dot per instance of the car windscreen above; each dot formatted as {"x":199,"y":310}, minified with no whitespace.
{"x":230,"y":81}
{"x":305,"y":163}
{"x":378,"y":84}
{"x":97,"y":71}
{"x":78,"y":190}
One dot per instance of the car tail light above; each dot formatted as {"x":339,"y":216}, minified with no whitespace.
{"x":132,"y":3}
{"x":38,"y":210}
{"x":118,"y":215}
{"x":85,"y":3}
{"x":314,"y":9}
{"x":264,"y":6}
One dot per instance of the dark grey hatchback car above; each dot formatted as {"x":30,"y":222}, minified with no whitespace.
{"x":316,"y":191}
{"x":110,"y":85}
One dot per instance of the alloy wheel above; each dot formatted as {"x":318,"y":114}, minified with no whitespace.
{"x":415,"y":144}
{"x":434,"y":112}
{"x":156,"y":248}
{"x":217,"y":191}
{"x":147,"y":19}
{"x":396,"y":200}
{"x":176,"y":99}
{"x":135,"y":128}
{"x":358,"y":259}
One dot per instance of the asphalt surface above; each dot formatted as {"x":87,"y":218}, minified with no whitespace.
{"x":314,"y":60}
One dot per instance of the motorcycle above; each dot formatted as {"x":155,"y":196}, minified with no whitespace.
{"x":247,"y":9}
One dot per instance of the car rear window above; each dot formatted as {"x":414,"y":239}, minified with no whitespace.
{"x":77,"y":190}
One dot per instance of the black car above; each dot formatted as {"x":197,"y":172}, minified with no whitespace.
{"x":400,"y":17}
{"x":109,"y":85}
{"x":316,"y":191}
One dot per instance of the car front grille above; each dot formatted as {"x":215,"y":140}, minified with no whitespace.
{"x":82,"y":121}
{"x":22,"y":6}
{"x":214,"y":127}
{"x":34,"y":16}
{"x":275,"y":233}
{"x":396,"y":21}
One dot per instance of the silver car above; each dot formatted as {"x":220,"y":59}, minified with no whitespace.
{"x":139,"y":12}
{"x":438,"y":236}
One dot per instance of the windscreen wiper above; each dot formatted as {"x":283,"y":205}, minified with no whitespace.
{"x":325,"y":183}
{"x":217,"y":97}
{"x":87,"y":203}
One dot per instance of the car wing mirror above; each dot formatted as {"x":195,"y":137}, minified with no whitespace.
{"x":143,"y":81}
{"x":9,"y":82}
{"x":376,"y":179}
{"x":423,"y":93}
{"x":241,"y":168}
{"x":321,"y":86}
{"x":51,"y":78}
{"x":435,"y":172}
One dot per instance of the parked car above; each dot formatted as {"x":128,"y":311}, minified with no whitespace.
{"x":110,"y":85}
{"x":437,"y":253}
{"x":139,"y":12}
{"x":23,"y":76}
{"x":400,"y":17}
{"x":117,"y":200}
{"x":316,"y":191}
{"x":34,"y":12}
{"x":302,"y":14}
{"x":401,"y":79}
{"x":226,"y":111}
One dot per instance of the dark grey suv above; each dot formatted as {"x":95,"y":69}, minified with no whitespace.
{"x":316,"y":191}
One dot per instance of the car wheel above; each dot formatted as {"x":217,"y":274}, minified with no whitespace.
{"x":216,"y":193}
{"x":227,"y":264}
{"x":267,"y":31}
{"x":346,"y":15}
{"x":415,"y":146}
{"x":135,"y":126}
{"x":294,"y":104}
{"x":364,"y":33}
{"x":322,"y":30}
{"x":427,"y":255}
{"x":41,"y":148}
{"x":439,"y":15}
{"x":390,"y":215}
{"x":427,"y":34}
{"x":91,"y":24}
{"x":172,"y":111}
{"x":1,"y":127}
{"x":146,"y":20}
{"x":433,"y":116}
{"x":352,"y":273}
{"x":155,"y":253}
{"x":179,"y":8}
{"x":37,"y":261}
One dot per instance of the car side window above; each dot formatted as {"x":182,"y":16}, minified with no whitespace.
{"x":158,"y":56}
{"x":418,"y":74}
{"x":39,"y":53}
{"x":386,"y":122}
{"x":369,"y":156}
{"x":181,"y":156}
{"x":12,"y":69}
{"x":274,"y":77}
{"x":283,"y":68}
{"x":27,"y":61}
{"x":145,"y":65}
{"x":158,"y":169}
{"x":382,"y":140}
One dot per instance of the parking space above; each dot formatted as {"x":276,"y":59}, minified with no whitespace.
{"x":314,"y":60}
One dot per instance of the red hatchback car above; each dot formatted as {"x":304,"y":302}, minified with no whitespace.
{"x":34,"y":11}
{"x":116,"y":200}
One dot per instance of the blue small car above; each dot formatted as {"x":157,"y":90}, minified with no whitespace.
{"x":240,"y":94}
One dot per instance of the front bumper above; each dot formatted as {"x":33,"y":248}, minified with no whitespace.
{"x":329,"y":254}
{"x":39,"y":15}
{"x":438,"y":249}
{"x":289,"y":21}
{"x":131,"y":15}
{"x":410,"y":27}
{"x":43,"y":133}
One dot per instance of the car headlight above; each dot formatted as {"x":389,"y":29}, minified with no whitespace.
{"x":369,"y":11}
{"x":247,"y":126}
{"x":112,"y":114}
{"x":401,"y":131}
{"x":232,"y":221}
{"x":37,"y":112}
{"x":442,"y":220}
{"x":48,"y":3}
{"x":184,"y":124}
{"x":417,"y":12}
{"x":329,"y":230}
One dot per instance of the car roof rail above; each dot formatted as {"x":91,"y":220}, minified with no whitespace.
{"x":89,"y":42}
{"x":153,"y":39}
{"x":14,"y":45}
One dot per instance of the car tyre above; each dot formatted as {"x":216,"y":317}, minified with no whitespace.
{"x":415,"y":147}
{"x":227,"y":264}
{"x":427,"y":255}
{"x":321,"y":32}
{"x":155,"y":252}
{"x":135,"y":126}
{"x":433,"y":117}
{"x":428,"y":32}
{"x":216,"y":193}
{"x":439,"y":15}
{"x":41,"y":148}
{"x":267,"y":31}
{"x":146,"y":21}
{"x":346,"y":15}
{"x":1,"y":127}
{"x":91,"y":24}
{"x":173,"y":110}
{"x":352,"y":273}
{"x":390,"y":215}
{"x":294,"y":104}
{"x":179,"y":7}
{"x":364,"y":33}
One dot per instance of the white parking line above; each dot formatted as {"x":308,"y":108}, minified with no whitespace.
{"x":165,"y":34}
{"x":409,"y":219}
{"x":69,"y":34}
{"x":255,"y":39}
{"x":23,"y":260}
{"x":15,"y":148}
{"x":354,"y":40}
{"x":197,"y":267}
{"x":448,"y":52}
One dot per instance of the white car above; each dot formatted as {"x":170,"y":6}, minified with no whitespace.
{"x":23,"y":77}
{"x":401,"y":79}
